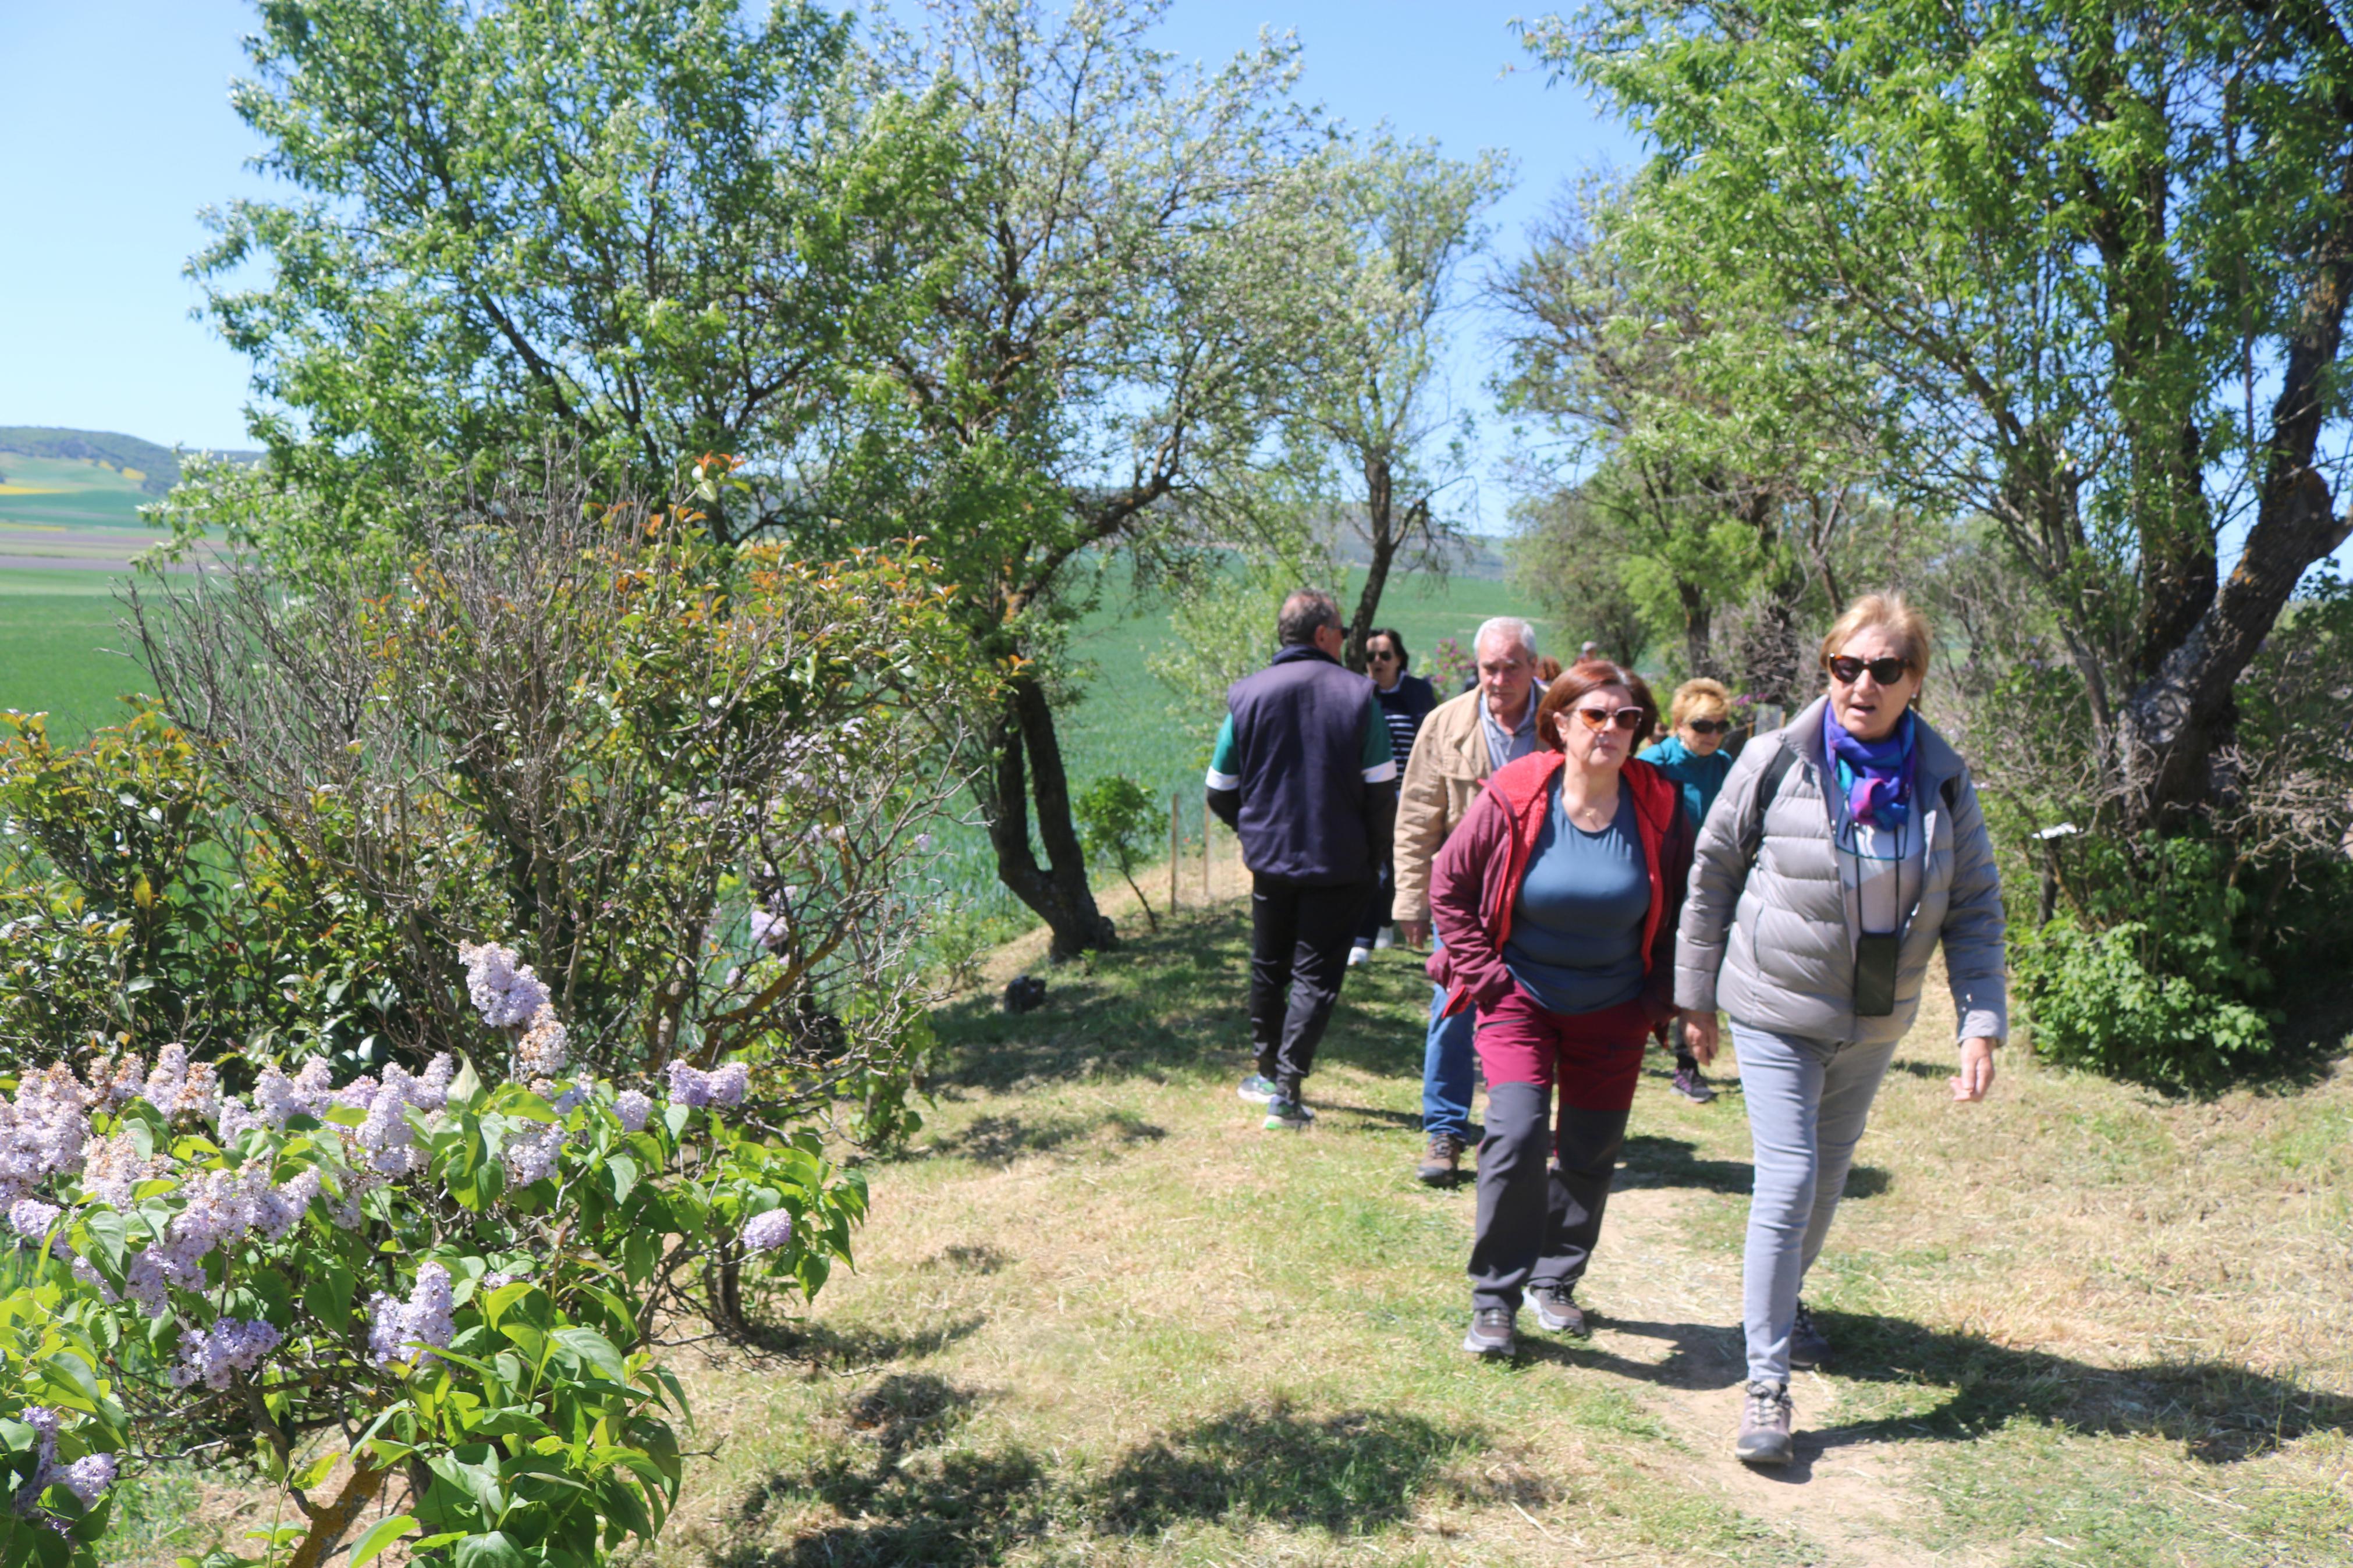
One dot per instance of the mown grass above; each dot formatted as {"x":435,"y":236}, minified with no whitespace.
{"x":1100,"y":1317}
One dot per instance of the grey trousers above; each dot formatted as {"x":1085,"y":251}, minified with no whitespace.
{"x":1808,"y":1103}
{"x":1542,"y":1191}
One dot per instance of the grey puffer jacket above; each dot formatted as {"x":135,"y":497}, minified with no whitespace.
{"x":1773,"y":946}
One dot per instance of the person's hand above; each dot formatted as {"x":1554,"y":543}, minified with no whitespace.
{"x":1413,"y":933}
{"x":1699,"y":1035}
{"x":1977,"y":1069}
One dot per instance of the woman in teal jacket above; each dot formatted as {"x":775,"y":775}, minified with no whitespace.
{"x":1692,"y":757}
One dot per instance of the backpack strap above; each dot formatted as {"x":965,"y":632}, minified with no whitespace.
{"x":1752,"y":829}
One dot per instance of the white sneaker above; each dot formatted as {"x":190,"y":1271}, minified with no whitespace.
{"x":1357,"y":955}
{"x":1386,"y":940}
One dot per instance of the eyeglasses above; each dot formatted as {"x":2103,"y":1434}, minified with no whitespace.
{"x":1382,"y":654}
{"x":1846,"y":669}
{"x":1708,"y":726}
{"x":1600,"y":719}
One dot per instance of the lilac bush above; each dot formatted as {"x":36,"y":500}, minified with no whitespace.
{"x":432,"y":1275}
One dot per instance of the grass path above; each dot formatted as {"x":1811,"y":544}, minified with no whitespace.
{"x":1100,"y":1317}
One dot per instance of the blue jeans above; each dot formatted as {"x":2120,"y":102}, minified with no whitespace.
{"x":1450,"y":1066}
{"x":1808,"y":1103}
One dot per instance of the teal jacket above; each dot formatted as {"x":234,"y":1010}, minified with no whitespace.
{"x":1698,"y":777}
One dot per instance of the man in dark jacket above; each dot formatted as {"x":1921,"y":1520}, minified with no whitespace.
{"x":1304,"y":772}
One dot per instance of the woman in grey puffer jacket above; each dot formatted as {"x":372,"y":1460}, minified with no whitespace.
{"x":1842,"y":850}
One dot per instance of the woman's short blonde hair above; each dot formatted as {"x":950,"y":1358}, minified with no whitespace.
{"x":1700,"y":699}
{"x":1890,"y":613}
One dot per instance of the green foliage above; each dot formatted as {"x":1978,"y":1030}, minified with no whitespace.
{"x":1119,"y":821}
{"x":465,"y":1282}
{"x":655,"y":231}
{"x":2148,"y":979}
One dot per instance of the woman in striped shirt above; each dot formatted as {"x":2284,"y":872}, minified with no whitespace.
{"x":1405,"y":702}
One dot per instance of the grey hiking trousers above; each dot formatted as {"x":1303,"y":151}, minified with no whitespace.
{"x":1808,"y":1103}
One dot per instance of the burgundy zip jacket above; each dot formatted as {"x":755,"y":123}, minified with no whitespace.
{"x":1474,"y":883}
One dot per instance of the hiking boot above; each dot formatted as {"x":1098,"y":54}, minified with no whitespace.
{"x":1441,"y":1163}
{"x":1808,"y":1348}
{"x":1692,"y":1087}
{"x":1287,"y":1116}
{"x":1257,"y":1089}
{"x":1491,"y":1334}
{"x":1764,"y":1426}
{"x":1557,"y":1313}
{"x":1358,"y":954}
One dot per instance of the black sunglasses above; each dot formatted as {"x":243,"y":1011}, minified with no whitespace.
{"x":1846,"y":669}
{"x":1709,"y":726}
{"x":1378,"y":653}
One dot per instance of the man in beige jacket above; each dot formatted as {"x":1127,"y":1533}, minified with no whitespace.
{"x":1463,"y":739}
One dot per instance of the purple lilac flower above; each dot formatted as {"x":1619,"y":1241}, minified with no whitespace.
{"x":144,"y":1280}
{"x":767,"y":1232}
{"x":506,"y":992}
{"x":31,"y":1219}
{"x":689,"y":1086}
{"x":768,"y":931}
{"x":530,"y":1156}
{"x":42,"y":1131}
{"x":432,"y":1092}
{"x":385,"y":1133}
{"x":89,"y":1477}
{"x":426,"y":1317}
{"x":542,"y":1053}
{"x":728,"y":1083}
{"x":113,"y":1167}
{"x":231,"y":1346}
{"x":633,"y":1108}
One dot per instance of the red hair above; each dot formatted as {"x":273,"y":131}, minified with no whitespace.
{"x":1584,"y":677}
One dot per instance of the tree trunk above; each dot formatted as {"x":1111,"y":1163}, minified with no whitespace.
{"x":1381,"y":536}
{"x":1029,"y":758}
{"x":2174,"y":720}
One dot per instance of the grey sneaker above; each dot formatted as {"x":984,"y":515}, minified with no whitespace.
{"x":1808,"y":1348}
{"x":1557,"y":1313}
{"x":1287,"y":1116}
{"x":1692,"y":1087}
{"x":1441,"y":1162}
{"x":1764,"y":1426}
{"x":1257,"y":1089}
{"x":1492,"y":1333}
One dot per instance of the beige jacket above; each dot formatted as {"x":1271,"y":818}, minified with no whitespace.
{"x":1442,"y":777}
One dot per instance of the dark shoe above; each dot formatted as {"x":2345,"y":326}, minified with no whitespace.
{"x":1692,"y":1087}
{"x":1492,"y":1333}
{"x":1557,"y":1313}
{"x":1764,"y":1426}
{"x":1808,"y":1348}
{"x":1258,"y":1088}
{"x":1287,"y":1116}
{"x":1441,"y":1163}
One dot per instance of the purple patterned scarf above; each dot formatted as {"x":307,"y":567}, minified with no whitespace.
{"x":1875,"y":774}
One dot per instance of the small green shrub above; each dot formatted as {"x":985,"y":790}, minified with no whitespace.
{"x":2148,"y":978}
{"x":1117,"y":819}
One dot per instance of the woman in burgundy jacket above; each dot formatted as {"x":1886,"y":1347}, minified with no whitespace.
{"x":1557,"y":899}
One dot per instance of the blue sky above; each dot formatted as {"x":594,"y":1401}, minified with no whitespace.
{"x":117,"y":130}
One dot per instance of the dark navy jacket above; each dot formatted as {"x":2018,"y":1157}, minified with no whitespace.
{"x":1304,"y":772}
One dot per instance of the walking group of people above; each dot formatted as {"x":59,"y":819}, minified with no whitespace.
{"x":1582,"y":896}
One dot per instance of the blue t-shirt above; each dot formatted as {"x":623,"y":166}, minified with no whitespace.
{"x":1576,"y":930}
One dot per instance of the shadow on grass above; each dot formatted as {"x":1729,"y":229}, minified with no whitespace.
{"x":892,"y":1500}
{"x":2219,"y":1412}
{"x":1650,"y":1161}
{"x":1344,"y":1474}
{"x":824,"y":1346}
{"x":1169,"y":1005}
{"x":998,"y":1141}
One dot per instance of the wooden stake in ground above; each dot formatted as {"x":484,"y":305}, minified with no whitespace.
{"x":1176,"y":826}
{"x":1209,"y":880}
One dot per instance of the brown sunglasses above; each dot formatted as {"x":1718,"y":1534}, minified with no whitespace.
{"x":1600,"y":719}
